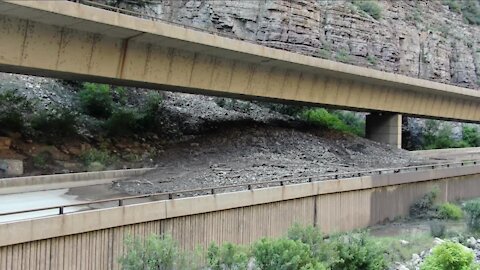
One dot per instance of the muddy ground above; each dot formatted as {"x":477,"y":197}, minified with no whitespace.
{"x":255,"y":152}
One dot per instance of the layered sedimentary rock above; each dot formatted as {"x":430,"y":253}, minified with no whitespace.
{"x":422,"y":39}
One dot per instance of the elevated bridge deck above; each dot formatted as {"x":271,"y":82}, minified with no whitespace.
{"x":74,"y":41}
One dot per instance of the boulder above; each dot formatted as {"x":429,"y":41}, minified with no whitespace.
{"x":11,"y":167}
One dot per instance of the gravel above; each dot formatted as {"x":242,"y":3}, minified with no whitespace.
{"x":254,"y":152}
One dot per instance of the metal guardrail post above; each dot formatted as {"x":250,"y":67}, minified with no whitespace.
{"x":60,"y":210}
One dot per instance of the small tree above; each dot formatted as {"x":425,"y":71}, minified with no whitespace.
{"x":96,"y":100}
{"x":227,"y":257}
{"x":471,"y":136}
{"x":472,"y":208}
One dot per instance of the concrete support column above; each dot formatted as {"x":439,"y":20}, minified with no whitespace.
{"x":384,"y":128}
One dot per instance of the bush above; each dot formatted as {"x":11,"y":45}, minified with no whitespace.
{"x":41,"y":159}
{"x":227,"y":257}
{"x":123,"y":121}
{"x":343,"y":56}
{"x":12,"y":110}
{"x":97,"y":156}
{"x":284,"y":254}
{"x":96,"y":100}
{"x":357,"y":251}
{"x":425,"y":206}
{"x":472,"y":208}
{"x":450,"y":211}
{"x":147,"y":117}
{"x":158,"y":252}
{"x":333,"y":121}
{"x":469,"y":9}
{"x":437,"y":136}
{"x":310,"y":236}
{"x":471,"y":12}
{"x":55,"y":122}
{"x":471,"y":136}
{"x":437,"y":229}
{"x":451,"y":256}
{"x":370,"y":7}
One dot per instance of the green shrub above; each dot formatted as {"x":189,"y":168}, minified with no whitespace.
{"x":450,"y":211}
{"x":453,"y":5}
{"x":357,"y":251}
{"x":451,"y":256}
{"x":12,"y":111}
{"x":99,"y":156}
{"x":372,"y":60}
{"x":472,"y":208}
{"x":437,"y":229}
{"x":227,"y":257}
{"x":343,"y":56}
{"x":309,"y":235}
{"x":355,"y":124}
{"x":470,"y":9}
{"x":41,"y":159}
{"x":123,"y":121}
{"x":96,"y":100}
{"x":147,"y":117}
{"x":283,"y":254}
{"x":471,"y":12}
{"x":438,"y":136}
{"x":370,"y":7}
{"x":55,"y":122}
{"x":425,"y":206}
{"x":333,"y":120}
{"x":471,"y":136}
{"x":324,"y":53}
{"x":158,"y":252}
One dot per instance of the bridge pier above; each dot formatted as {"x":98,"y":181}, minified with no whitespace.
{"x":384,"y":128}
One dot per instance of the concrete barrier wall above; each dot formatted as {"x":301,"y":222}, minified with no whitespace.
{"x":43,"y":182}
{"x":94,"y":239}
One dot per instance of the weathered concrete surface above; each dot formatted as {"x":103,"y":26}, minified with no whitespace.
{"x":120,"y":216}
{"x":57,"y":181}
{"x":384,"y":128}
{"x":95,"y":239}
{"x":68,"y":40}
{"x":454,"y":154}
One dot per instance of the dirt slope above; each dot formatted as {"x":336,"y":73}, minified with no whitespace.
{"x":252,"y":152}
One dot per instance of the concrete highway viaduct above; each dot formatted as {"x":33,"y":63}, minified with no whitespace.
{"x":69,"y":40}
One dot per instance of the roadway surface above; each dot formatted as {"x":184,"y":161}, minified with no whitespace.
{"x":57,"y":197}
{"x":456,"y":155}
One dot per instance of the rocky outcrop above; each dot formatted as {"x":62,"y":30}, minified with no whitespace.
{"x":421,"y":39}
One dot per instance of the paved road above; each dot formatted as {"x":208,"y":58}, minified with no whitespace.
{"x":39,"y":199}
{"x":452,"y":155}
{"x":48,"y":198}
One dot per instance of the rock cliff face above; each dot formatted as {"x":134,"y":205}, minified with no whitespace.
{"x":423,"y":39}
